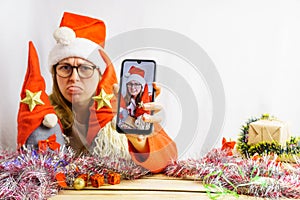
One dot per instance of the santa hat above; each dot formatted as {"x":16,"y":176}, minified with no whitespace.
{"x":78,"y":36}
{"x":136,"y":74}
{"x":35,"y":103}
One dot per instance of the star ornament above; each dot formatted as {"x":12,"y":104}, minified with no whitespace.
{"x":103,"y":99}
{"x":141,"y":104}
{"x":32,"y":99}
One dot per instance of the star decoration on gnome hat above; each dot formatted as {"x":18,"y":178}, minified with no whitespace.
{"x":33,"y":99}
{"x":103,"y":99}
{"x":37,"y":119}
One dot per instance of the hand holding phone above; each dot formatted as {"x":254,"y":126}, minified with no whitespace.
{"x":136,"y":89}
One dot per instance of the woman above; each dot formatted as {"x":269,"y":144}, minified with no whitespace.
{"x":84,"y":100}
{"x":132,"y":112}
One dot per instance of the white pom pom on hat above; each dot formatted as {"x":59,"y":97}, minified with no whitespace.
{"x":64,"y":35}
{"x":127,"y":75}
{"x":78,"y":36}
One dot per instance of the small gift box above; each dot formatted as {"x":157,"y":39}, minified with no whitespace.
{"x":113,"y":178}
{"x":84,"y":177}
{"x":97,"y":180}
{"x":268,"y":131}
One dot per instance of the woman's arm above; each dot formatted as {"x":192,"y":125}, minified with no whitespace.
{"x":154,"y":152}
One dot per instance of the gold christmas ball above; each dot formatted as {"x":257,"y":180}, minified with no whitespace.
{"x":79,"y":183}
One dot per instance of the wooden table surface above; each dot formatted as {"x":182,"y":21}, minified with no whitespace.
{"x":153,"y":187}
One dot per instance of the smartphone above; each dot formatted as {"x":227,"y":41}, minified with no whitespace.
{"x":136,"y":89}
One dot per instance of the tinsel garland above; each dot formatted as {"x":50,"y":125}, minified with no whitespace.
{"x":29,"y":174}
{"x":222,"y":174}
{"x":292,"y":147}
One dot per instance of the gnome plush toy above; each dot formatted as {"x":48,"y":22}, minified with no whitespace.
{"x":38,"y":125}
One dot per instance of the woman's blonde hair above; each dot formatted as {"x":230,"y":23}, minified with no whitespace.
{"x":62,"y":107}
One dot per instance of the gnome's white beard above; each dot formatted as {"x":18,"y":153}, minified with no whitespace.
{"x":109,"y":142}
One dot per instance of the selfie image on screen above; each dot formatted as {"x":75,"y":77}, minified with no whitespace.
{"x":136,"y":89}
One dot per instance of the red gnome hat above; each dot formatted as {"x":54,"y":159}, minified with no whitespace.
{"x":101,"y":112}
{"x":35,"y":103}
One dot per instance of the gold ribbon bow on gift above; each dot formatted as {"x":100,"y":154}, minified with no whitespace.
{"x":50,"y":142}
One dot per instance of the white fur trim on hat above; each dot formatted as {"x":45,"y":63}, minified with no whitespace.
{"x":68,"y":46}
{"x":137,"y":78}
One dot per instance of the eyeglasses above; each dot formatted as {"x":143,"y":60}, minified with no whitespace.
{"x":65,"y":70}
{"x":133,"y":85}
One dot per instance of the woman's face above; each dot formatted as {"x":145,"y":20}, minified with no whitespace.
{"x":75,"y":89}
{"x":134,"y":88}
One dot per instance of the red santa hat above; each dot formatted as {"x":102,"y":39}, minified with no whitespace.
{"x":136,"y":74}
{"x":78,"y":36}
{"x":35,"y":103}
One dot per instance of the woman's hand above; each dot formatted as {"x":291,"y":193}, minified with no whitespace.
{"x":140,"y":141}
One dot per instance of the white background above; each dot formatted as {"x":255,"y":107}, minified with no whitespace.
{"x":254,"y":44}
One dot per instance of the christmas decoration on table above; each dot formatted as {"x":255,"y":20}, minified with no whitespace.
{"x":228,"y":146}
{"x":113,"y":178}
{"x":28,"y":174}
{"x":79,"y":183}
{"x":84,"y":177}
{"x":97,"y":180}
{"x":32,"y":174}
{"x":268,"y":135}
{"x":38,"y":125}
{"x":222,"y":173}
{"x":268,"y":130}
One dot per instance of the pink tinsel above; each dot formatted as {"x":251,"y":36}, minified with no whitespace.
{"x":28,"y":174}
{"x":264,"y":177}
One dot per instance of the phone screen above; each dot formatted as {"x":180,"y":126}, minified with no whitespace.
{"x":136,"y":89}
